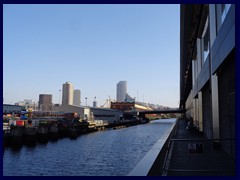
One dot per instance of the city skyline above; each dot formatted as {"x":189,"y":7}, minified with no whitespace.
{"x":94,"y":47}
{"x":126,"y":54}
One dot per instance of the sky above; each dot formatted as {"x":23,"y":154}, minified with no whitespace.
{"x":94,"y":47}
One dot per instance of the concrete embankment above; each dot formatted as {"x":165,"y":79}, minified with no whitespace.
{"x":19,"y":134}
{"x":152,"y":162}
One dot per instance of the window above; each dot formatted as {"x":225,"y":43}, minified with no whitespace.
{"x":224,"y":8}
{"x":205,"y":40}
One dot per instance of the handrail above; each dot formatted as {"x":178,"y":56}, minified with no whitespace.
{"x":198,"y":170}
{"x":203,"y":139}
{"x":169,"y":152}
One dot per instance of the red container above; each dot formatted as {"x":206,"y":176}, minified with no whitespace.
{"x":20,"y":123}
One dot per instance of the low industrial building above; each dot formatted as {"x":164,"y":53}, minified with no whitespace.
{"x":9,"y":109}
{"x":131,"y":109}
{"x":93,"y":113}
{"x":125,"y":106}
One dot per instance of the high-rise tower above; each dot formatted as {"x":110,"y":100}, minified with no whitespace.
{"x":76,"y":97}
{"x":45,"y":102}
{"x":67,"y":94}
{"x":121,"y":91}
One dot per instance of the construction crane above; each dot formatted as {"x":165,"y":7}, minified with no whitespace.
{"x":107,"y":104}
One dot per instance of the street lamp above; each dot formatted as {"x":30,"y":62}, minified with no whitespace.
{"x":86,"y":100}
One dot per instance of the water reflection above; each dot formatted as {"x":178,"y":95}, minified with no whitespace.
{"x":112,"y":152}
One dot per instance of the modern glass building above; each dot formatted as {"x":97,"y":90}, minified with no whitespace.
{"x":207,"y":70}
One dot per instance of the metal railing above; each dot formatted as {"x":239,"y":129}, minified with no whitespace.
{"x":200,"y":146}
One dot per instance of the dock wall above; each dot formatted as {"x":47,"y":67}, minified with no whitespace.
{"x":152,"y":162}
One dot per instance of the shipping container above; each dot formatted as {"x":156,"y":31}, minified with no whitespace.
{"x":20,"y":122}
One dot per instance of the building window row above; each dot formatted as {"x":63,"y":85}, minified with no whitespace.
{"x":202,"y":47}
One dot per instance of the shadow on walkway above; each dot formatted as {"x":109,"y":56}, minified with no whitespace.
{"x":191,"y":154}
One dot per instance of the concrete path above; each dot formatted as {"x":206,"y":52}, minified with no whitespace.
{"x":191,"y":154}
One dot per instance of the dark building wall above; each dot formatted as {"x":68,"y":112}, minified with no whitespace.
{"x":213,"y":84}
{"x":207,"y":120}
{"x":45,"y":102}
{"x":226,"y":89}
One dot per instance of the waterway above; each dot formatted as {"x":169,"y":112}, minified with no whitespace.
{"x":104,"y":153}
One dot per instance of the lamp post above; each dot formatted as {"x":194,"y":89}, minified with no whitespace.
{"x":95,"y":102}
{"x":86,"y":100}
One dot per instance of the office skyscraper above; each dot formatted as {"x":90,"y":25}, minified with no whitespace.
{"x":77,"y":97}
{"x":121,"y":91}
{"x":45,"y":102}
{"x":67,"y":94}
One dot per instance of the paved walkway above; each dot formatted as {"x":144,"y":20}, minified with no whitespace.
{"x":196,"y":156}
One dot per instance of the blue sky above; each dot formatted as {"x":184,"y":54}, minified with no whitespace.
{"x":94,"y":47}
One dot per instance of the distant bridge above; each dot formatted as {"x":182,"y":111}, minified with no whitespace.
{"x":165,"y":111}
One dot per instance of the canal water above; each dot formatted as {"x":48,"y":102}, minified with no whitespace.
{"x":104,"y":153}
